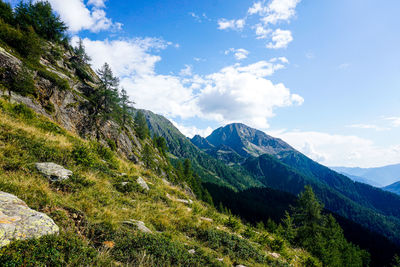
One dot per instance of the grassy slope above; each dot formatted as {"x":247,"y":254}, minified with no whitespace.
{"x":90,"y":209}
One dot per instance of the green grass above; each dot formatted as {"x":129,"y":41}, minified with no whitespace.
{"x":91,"y":206}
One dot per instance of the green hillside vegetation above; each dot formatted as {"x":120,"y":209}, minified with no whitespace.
{"x":91,"y":207}
{"x":99,"y":208}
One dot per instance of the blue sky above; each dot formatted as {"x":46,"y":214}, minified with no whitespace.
{"x":322,"y":75}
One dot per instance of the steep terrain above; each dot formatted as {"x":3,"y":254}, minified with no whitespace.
{"x":282,"y":167}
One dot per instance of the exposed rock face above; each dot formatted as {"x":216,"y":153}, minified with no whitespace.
{"x":18,"y":221}
{"x":53,"y":172}
{"x":142,"y":183}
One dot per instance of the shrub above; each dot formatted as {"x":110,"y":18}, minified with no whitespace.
{"x":73,"y":184}
{"x":232,"y":245}
{"x":22,"y":82}
{"x":83,"y":155}
{"x":49,"y":126}
{"x":233,"y":223}
{"x":22,"y":111}
{"x":63,"y":250}
{"x":129,"y":249}
{"x":54,"y":78}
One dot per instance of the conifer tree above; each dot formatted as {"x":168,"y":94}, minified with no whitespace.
{"x":80,"y":52}
{"x":126,"y":107}
{"x":141,"y":125}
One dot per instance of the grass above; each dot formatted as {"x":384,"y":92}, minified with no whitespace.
{"x":91,"y":206}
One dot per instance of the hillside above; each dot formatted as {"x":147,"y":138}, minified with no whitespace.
{"x":286,"y":169}
{"x":88,"y":180}
{"x":394,"y":188}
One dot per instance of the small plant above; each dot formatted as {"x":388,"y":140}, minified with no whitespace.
{"x":233,"y":223}
{"x":83,"y":155}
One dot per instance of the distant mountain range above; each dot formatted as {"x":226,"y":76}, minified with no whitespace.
{"x":276,"y":164}
{"x":394,"y":188}
{"x":241,"y":158}
{"x":380,"y":176}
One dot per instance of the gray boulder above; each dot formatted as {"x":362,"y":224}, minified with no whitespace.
{"x":140,"y":226}
{"x":53,"y":172}
{"x":18,"y":221}
{"x":142,"y":183}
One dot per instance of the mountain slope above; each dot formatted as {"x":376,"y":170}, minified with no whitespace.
{"x":394,"y":188}
{"x":382,"y":176}
{"x":209,"y":169}
{"x":286,"y":169}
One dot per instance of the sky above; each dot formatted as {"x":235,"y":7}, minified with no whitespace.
{"x":321,"y":75}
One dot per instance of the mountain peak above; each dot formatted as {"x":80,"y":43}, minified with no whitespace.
{"x":247,"y":141}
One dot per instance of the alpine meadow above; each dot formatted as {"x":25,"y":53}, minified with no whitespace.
{"x":199,"y":133}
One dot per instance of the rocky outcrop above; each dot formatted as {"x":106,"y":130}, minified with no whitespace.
{"x":142,"y":183}
{"x":69,"y":107}
{"x":53,"y":172}
{"x":18,"y":221}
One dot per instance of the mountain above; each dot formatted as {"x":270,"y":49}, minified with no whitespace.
{"x":394,"y":188}
{"x":206,"y":166}
{"x":284,"y":168}
{"x":382,"y":176}
{"x":247,"y":141}
{"x":358,"y":178}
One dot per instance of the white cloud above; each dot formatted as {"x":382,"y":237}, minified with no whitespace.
{"x":262,"y":32}
{"x":97,"y":3}
{"x":279,"y":10}
{"x":280,"y":39}
{"x":243,"y":94}
{"x":235,"y":93}
{"x":239,"y":53}
{"x":78,"y":17}
{"x":191,"y":131}
{"x":340,"y":150}
{"x":224,"y":24}
{"x":368,"y":126}
{"x":395,"y":121}
{"x":187,"y":71}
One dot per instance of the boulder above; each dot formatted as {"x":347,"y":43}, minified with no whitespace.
{"x":192,"y":251}
{"x":142,"y":183}
{"x":53,"y":172}
{"x":18,"y":221}
{"x":140,"y":225}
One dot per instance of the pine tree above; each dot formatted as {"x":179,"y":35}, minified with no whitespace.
{"x":141,"y":125}
{"x":104,"y":101}
{"x":147,"y":156}
{"x":81,"y":54}
{"x":126,"y":107}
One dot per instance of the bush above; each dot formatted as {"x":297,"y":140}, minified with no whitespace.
{"x":54,"y":78}
{"x":83,"y":155}
{"x":22,"y":82}
{"x":130,"y":248}
{"x":63,"y":250}
{"x":74,"y":183}
{"x":22,"y":111}
{"x":233,"y":223}
{"x":232,"y":245}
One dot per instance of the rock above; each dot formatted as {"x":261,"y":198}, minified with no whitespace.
{"x":240,"y":265}
{"x":206,"y":219}
{"x":192,"y":251}
{"x":274,"y":255}
{"x":220,"y":259}
{"x":124,"y":183}
{"x":18,"y":221}
{"x":189,"y":191}
{"x":142,"y":183}
{"x":166,"y":182}
{"x":140,"y":225}
{"x":53,"y":172}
